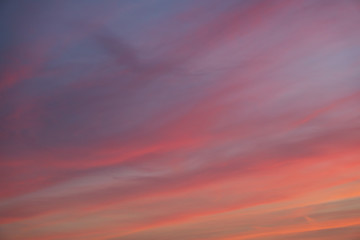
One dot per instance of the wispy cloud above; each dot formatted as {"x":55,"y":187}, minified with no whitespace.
{"x":179,"y":120}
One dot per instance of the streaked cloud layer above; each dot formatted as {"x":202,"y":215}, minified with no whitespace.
{"x":181,"y":120}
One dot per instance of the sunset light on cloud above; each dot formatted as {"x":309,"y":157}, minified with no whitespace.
{"x":180,"y":120}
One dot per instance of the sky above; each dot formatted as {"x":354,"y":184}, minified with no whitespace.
{"x":180,"y":120}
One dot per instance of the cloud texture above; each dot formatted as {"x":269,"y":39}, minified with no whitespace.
{"x":181,"y":120}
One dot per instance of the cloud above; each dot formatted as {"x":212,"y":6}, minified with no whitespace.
{"x":223,"y":120}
